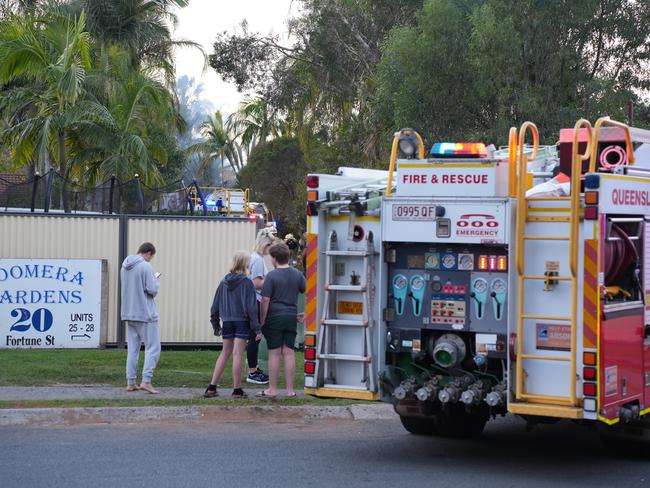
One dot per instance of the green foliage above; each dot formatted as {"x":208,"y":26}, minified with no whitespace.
{"x":473,"y":68}
{"x":86,"y":84}
{"x":276,"y":171}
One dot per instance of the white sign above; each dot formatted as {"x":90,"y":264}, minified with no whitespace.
{"x":477,"y":221}
{"x":50,"y":303}
{"x":624,"y":195}
{"x":449,"y":179}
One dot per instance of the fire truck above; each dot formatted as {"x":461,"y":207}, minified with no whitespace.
{"x":473,"y":282}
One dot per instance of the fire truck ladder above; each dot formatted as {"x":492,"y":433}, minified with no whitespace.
{"x":527,"y":403}
{"x":330,"y":322}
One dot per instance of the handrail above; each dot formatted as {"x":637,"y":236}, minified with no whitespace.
{"x":522,"y":211}
{"x":522,"y":165}
{"x":596,"y":134}
{"x":512,"y":162}
{"x":576,"y":173}
{"x":393,"y":154}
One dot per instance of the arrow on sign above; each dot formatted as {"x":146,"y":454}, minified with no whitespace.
{"x":84,"y":337}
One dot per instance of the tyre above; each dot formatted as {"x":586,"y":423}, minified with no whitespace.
{"x":456,"y":422}
{"x":419,"y":425}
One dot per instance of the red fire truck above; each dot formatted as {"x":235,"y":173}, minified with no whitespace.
{"x":474,"y":282}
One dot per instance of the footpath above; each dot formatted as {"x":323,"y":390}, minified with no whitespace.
{"x":197,"y":409}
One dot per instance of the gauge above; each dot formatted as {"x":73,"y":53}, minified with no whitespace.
{"x":480,"y":285}
{"x":399,"y":282}
{"x":448,"y":261}
{"x":499,"y":286}
{"x":417,"y":283}
{"x":466,"y":262}
{"x":432,"y":260}
{"x":436,"y":286}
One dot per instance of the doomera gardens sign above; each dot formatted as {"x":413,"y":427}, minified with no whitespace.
{"x":50,"y":303}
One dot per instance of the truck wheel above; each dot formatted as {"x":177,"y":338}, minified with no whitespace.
{"x":419,"y":425}
{"x":458,"y":423}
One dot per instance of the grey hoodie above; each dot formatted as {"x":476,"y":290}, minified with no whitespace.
{"x":235,"y":300}
{"x":139,"y":287}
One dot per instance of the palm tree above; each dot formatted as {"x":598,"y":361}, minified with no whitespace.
{"x":217,"y":143}
{"x":128,"y":134}
{"x":254,"y":122}
{"x":43,"y":65}
{"x":142,"y":27}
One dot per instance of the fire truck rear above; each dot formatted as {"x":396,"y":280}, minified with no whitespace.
{"x":453,"y":288}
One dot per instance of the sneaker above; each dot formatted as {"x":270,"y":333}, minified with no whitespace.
{"x":239,"y":393}
{"x":258,"y":377}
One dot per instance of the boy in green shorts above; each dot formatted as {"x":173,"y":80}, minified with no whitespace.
{"x":279,"y":316}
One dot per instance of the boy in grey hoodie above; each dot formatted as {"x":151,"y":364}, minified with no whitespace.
{"x":139,"y":288}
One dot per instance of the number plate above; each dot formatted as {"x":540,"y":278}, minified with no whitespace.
{"x":351,"y":308}
{"x":424,"y":213}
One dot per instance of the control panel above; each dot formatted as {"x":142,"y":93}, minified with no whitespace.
{"x":454,"y":287}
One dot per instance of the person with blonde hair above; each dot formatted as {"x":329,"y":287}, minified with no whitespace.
{"x":257,"y":272}
{"x":236,"y":307}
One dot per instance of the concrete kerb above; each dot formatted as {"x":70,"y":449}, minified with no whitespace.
{"x":222,"y":413}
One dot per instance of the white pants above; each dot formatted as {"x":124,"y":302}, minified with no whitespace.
{"x":138,"y":332}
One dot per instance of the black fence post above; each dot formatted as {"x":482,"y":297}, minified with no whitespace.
{"x":122,"y":252}
{"x":34,"y":189}
{"x":111,"y":192}
{"x":199,"y":193}
{"x":138,"y":187}
{"x":48,"y":190}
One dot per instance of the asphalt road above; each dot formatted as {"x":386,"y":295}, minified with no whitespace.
{"x":321,"y":453}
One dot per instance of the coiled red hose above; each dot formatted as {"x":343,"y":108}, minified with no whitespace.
{"x":619,"y":254}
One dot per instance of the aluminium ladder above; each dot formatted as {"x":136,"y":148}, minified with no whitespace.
{"x":527,"y":402}
{"x":329,"y":354}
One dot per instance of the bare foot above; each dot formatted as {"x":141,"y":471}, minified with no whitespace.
{"x":148,"y":387}
{"x":132,"y":388}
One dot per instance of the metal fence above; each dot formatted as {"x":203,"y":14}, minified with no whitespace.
{"x":193,"y":254}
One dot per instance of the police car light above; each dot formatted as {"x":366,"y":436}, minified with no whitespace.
{"x":459,"y":150}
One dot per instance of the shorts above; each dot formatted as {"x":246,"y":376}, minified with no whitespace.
{"x":280,"y":330}
{"x":237,"y":329}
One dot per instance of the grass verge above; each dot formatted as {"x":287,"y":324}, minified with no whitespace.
{"x":107,"y":367}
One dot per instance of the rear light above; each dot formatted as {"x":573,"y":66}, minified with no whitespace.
{"x":312,"y":209}
{"x":483,"y":263}
{"x":310,"y":368}
{"x":589,"y":374}
{"x":502,"y":263}
{"x":492,"y":263}
{"x":591,"y":213}
{"x":589,"y":404}
{"x":312,"y":181}
{"x":589,"y":389}
{"x":589,"y":358}
{"x":252,"y":217}
{"x":310,"y":340}
{"x":312,"y":195}
{"x":591,"y":197}
{"x":310,"y":354}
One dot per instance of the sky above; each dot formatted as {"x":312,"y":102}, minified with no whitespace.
{"x":203,"y":19}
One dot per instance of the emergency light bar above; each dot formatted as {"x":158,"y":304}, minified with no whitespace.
{"x":459,"y":150}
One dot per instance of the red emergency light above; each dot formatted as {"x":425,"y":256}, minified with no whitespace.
{"x":459,"y":150}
